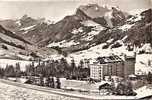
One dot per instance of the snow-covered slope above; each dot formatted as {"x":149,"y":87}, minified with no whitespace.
{"x":144,"y":92}
{"x":12,"y":45}
{"x":23,"y":63}
{"x":91,"y":31}
{"x":82,"y":35}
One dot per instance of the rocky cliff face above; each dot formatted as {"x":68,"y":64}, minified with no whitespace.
{"x":114,"y":24}
{"x":102,"y":17}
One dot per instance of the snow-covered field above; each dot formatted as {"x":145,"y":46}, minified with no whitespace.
{"x":17,"y":91}
{"x":9,"y":92}
{"x":12,"y":92}
{"x":23,"y":64}
{"x":10,"y":39}
{"x":97,"y":28}
{"x":144,"y":91}
{"x":141,"y":65}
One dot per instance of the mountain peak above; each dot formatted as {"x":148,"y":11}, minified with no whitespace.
{"x":26,"y":21}
{"x":25,"y":16}
{"x":90,"y":6}
{"x":93,"y":10}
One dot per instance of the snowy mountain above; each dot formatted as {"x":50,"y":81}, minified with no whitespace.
{"x":86,"y":32}
{"x":29,"y":28}
{"x":91,"y":25}
{"x":92,"y":31}
{"x":42,"y":32}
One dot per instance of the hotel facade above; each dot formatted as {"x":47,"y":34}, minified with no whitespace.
{"x":112,"y":66}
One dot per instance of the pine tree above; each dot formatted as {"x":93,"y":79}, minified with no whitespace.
{"x":149,"y":77}
{"x":18,"y":70}
{"x":72,"y":69}
{"x":73,"y":64}
{"x":58,"y":83}
{"x":30,"y":70}
{"x":81,"y":64}
{"x":41,"y":80}
{"x":9,"y":71}
{"x":1,"y":72}
{"x":52,"y":82}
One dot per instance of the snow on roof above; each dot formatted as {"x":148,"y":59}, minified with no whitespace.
{"x":109,"y":59}
{"x":115,"y":77}
{"x":22,"y":80}
{"x":102,"y":83}
{"x":132,"y":75}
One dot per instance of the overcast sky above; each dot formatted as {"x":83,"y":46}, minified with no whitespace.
{"x":57,"y":9}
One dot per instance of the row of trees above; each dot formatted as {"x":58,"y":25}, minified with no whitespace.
{"x":58,"y":68}
{"x":54,"y":68}
{"x":45,"y":71}
{"x":11,"y":71}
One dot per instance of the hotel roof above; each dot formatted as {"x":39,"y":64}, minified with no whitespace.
{"x":109,"y":59}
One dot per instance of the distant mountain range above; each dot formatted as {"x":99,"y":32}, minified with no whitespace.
{"x":91,"y":25}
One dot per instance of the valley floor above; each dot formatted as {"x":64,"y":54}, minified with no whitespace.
{"x":17,"y":91}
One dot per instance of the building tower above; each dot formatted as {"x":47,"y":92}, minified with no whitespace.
{"x":129,"y":65}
